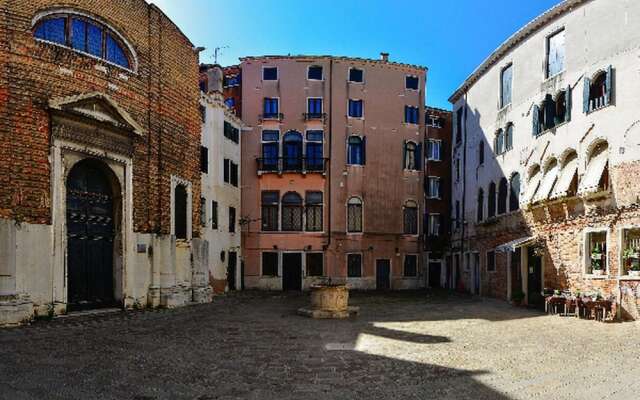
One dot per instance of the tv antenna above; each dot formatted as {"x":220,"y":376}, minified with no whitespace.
{"x":216,"y":52}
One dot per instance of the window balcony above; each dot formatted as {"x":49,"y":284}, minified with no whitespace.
{"x":303,"y":165}
{"x":314,"y":116}
{"x":598,"y":103}
{"x":271,"y":117}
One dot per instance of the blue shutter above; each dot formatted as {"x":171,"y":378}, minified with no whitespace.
{"x":609,"y":83}
{"x":536,"y":119}
{"x":419,"y":160}
{"x":568,"y":103}
{"x":585,"y":94}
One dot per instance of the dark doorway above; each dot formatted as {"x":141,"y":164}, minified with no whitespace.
{"x":383,"y":274}
{"x":232,"y":264}
{"x":180,"y":212}
{"x":534,"y":279}
{"x":435,"y":269}
{"x":292,"y":271}
{"x":90,"y":237}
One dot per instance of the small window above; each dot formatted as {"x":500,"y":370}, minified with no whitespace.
{"x":270,"y":150}
{"x":411,"y":82}
{"x":410,"y":218}
{"x":491,"y":261}
{"x":410,"y":265}
{"x":231,"y":132}
{"x":555,"y":53}
{"x":232,"y":219}
{"x":355,"y":108}
{"x":354,"y":215}
{"x":314,"y":73}
{"x":214,"y":215}
{"x":271,"y":109}
{"x":354,"y":265}
{"x":270,"y":263}
{"x":596,"y":252}
{"x":313,"y":211}
{"x":434,"y":150}
{"x":356,"y":75}
{"x":411,"y":115}
{"x":291,"y":212}
{"x":434,"y":225}
{"x":203,"y":211}
{"x":270,"y":73}
{"x":433,"y":187}
{"x":314,"y":107}
{"x":356,"y":150}
{"x":315,"y":263}
{"x":270,"y":210}
{"x":204,"y":159}
{"x":506,"y":83}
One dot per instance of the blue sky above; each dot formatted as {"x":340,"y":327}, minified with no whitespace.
{"x":450,"y":37}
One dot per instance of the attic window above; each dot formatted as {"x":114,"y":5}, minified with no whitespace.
{"x":84,"y":35}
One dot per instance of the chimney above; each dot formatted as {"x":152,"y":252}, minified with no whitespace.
{"x":384,"y":57}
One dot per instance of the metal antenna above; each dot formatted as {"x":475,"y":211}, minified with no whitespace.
{"x":217,"y":51}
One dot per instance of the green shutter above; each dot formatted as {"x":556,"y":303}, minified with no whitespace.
{"x":536,"y":119}
{"x":568,"y":103}
{"x":586,"y":94}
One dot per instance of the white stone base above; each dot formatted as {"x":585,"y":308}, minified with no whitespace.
{"x":15,"y":310}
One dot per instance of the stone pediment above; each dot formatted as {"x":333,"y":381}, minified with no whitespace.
{"x":98,"y":107}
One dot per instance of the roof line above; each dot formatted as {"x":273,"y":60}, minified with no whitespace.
{"x":523,"y":33}
{"x":307,"y":56}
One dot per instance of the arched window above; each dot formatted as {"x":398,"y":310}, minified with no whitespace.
{"x":292,"y":212}
{"x":492,"y":200}
{"x":480,"y":205}
{"x":354,"y":215}
{"x":292,"y":151}
{"x":514,"y":192}
{"x":410,"y":218}
{"x":503,"y":189}
{"x":561,"y":108}
{"x":356,"y":150}
{"x":508,"y":137}
{"x":84,"y":35}
{"x":411,"y":156}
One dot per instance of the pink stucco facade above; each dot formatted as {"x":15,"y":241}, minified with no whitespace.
{"x":383,"y":184}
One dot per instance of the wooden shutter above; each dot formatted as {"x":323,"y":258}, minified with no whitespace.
{"x":585,"y":94}
{"x":536,"y":119}
{"x":549,"y":111}
{"x":568,"y":103}
{"x":609,"y":84}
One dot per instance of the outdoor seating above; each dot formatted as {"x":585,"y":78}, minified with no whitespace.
{"x":588,"y":307}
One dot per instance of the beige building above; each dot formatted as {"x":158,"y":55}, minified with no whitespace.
{"x":332,"y":172}
{"x":546,"y":159}
{"x":221,"y":170}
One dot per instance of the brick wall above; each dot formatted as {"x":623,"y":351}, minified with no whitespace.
{"x":162,"y":96}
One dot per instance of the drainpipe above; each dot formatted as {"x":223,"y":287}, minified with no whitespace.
{"x":330,"y":134}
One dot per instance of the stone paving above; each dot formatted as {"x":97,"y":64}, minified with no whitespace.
{"x":253,"y":346}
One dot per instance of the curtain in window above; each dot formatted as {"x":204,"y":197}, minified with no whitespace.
{"x":291,"y":212}
{"x":354,"y":215}
{"x":313,"y":210}
{"x":270,"y":205}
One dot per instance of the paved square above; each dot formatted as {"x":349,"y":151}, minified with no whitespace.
{"x":253,"y":346}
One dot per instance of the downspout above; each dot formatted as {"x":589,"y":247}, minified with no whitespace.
{"x":329,"y":200}
{"x":464,"y":183}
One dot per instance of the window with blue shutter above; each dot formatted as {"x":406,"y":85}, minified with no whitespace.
{"x":314,"y":155}
{"x":356,"y":75}
{"x":314,"y":106}
{"x":355,"y":108}
{"x":355,"y":150}
{"x":411,"y":115}
{"x":270,"y":107}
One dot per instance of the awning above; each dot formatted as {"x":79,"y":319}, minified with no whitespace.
{"x":591,"y":179}
{"x":532,"y":187}
{"x":514,"y":244}
{"x":566,"y":177}
{"x":546,"y":186}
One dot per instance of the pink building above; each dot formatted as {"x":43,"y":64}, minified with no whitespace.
{"x":332,"y":172}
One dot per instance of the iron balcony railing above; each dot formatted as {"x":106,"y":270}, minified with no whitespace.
{"x":313,"y":116}
{"x":303,"y":165}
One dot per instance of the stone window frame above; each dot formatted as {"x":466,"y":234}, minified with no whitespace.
{"x":585,"y":253}
{"x":622,"y":273}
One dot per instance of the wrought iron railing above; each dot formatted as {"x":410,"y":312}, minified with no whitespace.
{"x":312,"y":116}
{"x":292,"y":164}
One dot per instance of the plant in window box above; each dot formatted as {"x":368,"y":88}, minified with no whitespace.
{"x":596,"y":260}
{"x":632,"y":258}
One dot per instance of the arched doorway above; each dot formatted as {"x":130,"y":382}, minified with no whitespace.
{"x":91,"y":230}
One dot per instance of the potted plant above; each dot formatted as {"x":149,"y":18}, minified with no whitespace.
{"x":632,"y":258}
{"x":517,"y":297}
{"x":596,"y":260}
